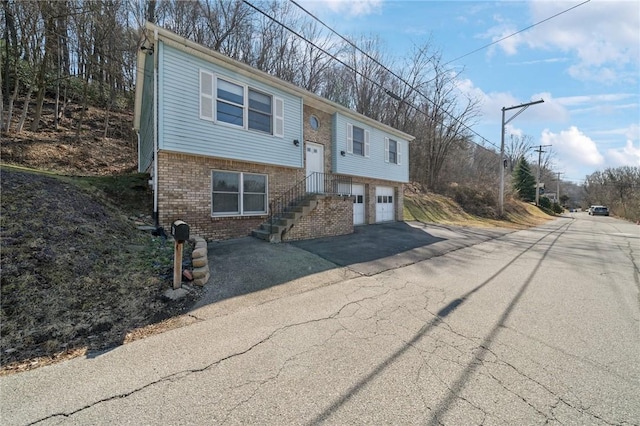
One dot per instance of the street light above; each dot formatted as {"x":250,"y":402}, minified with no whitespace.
{"x":502,"y":159}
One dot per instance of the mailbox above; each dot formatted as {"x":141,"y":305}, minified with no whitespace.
{"x":180,"y":230}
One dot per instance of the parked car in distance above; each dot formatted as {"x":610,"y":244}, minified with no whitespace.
{"x":599,"y":211}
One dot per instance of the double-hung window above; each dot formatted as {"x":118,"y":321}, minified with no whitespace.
{"x":230,"y":103}
{"x":259,"y":111}
{"x":238,"y":194}
{"x":236,"y":104}
{"x":357,"y":140}
{"x":392,"y":151}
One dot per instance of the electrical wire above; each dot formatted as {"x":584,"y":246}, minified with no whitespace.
{"x":386,"y":69}
{"x":516,"y":33}
{"x":453,"y":60}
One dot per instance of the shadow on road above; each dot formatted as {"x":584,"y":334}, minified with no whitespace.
{"x":459,"y":384}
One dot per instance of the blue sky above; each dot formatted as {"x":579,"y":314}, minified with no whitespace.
{"x":585,"y":64}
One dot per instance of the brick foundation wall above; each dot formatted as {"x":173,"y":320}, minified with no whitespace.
{"x":333,"y":216}
{"x":185,"y":193}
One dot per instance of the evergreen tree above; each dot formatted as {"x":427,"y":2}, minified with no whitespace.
{"x":523,"y":181}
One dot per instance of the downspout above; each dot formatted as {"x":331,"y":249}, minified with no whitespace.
{"x":156,"y":217}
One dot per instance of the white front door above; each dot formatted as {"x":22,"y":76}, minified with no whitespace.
{"x":315,"y":164}
{"x":358,"y":204}
{"x":384,"y":204}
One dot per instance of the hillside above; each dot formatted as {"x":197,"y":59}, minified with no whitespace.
{"x":476,"y":210}
{"x":77,"y":275}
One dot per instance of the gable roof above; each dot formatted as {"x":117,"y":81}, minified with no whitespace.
{"x":172,"y":39}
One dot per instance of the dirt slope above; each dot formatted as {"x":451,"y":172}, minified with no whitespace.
{"x":76,"y":273}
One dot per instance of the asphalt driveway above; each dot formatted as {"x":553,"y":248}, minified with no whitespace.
{"x":250,"y":266}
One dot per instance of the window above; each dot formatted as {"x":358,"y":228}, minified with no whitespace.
{"x":230,"y":103}
{"x":392,"y":151}
{"x":259,"y":111}
{"x":240,"y":105}
{"x":238,"y":194}
{"x":226,"y":191}
{"x":254,"y":194}
{"x":357,"y":140}
{"x":314,"y":122}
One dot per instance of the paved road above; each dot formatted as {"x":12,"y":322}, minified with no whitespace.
{"x":530,"y":327}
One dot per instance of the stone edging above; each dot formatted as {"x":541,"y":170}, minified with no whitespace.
{"x":200,"y":262}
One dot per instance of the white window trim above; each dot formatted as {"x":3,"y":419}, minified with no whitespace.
{"x":245,"y":105}
{"x":241,"y":195}
{"x":277,"y":105}
{"x":350,"y":140}
{"x":398,"y":152}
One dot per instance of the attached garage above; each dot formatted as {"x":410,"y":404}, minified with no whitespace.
{"x":358,"y":204}
{"x":385,"y":211}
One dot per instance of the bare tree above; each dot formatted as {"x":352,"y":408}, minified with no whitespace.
{"x":30,"y":35}
{"x":368,"y":77}
{"x":314,"y":62}
{"x":516,"y":147}
{"x":11,"y":58}
{"x":227,"y":23}
{"x":447,"y":118}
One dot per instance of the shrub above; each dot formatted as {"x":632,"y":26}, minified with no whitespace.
{"x":557,"y":208}
{"x":545,"y":203}
{"x":474,"y":201}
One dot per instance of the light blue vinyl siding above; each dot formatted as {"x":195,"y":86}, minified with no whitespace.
{"x":145,"y":153}
{"x":182,"y":130}
{"x":374,"y":166}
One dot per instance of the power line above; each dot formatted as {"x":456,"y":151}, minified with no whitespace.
{"x":394,"y":96}
{"x":516,"y":33}
{"x":388,"y":92}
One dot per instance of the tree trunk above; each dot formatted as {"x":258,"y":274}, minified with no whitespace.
{"x":25,"y":109}
{"x":35,"y":124}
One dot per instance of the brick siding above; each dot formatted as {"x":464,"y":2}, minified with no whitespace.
{"x":185,"y":193}
{"x":333,"y":216}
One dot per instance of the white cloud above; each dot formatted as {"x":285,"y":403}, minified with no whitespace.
{"x":629,"y":155}
{"x":575,"y":149}
{"x":511,"y":130}
{"x":601,"y":35}
{"x":491,"y":105}
{"x":354,"y":7}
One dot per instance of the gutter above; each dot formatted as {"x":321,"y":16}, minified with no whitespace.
{"x":156,"y":218}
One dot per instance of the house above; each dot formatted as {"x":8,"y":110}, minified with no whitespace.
{"x":234,"y":151}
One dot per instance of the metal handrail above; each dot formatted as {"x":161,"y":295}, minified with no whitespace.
{"x":315,"y":183}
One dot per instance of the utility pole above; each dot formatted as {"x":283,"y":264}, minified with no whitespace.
{"x":521,"y":107}
{"x":558,"y":186}
{"x":539,"y":151}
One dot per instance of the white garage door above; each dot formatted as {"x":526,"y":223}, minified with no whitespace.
{"x":384,"y":204}
{"x":358,"y":204}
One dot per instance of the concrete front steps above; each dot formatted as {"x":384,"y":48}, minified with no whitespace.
{"x":274,"y":233}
